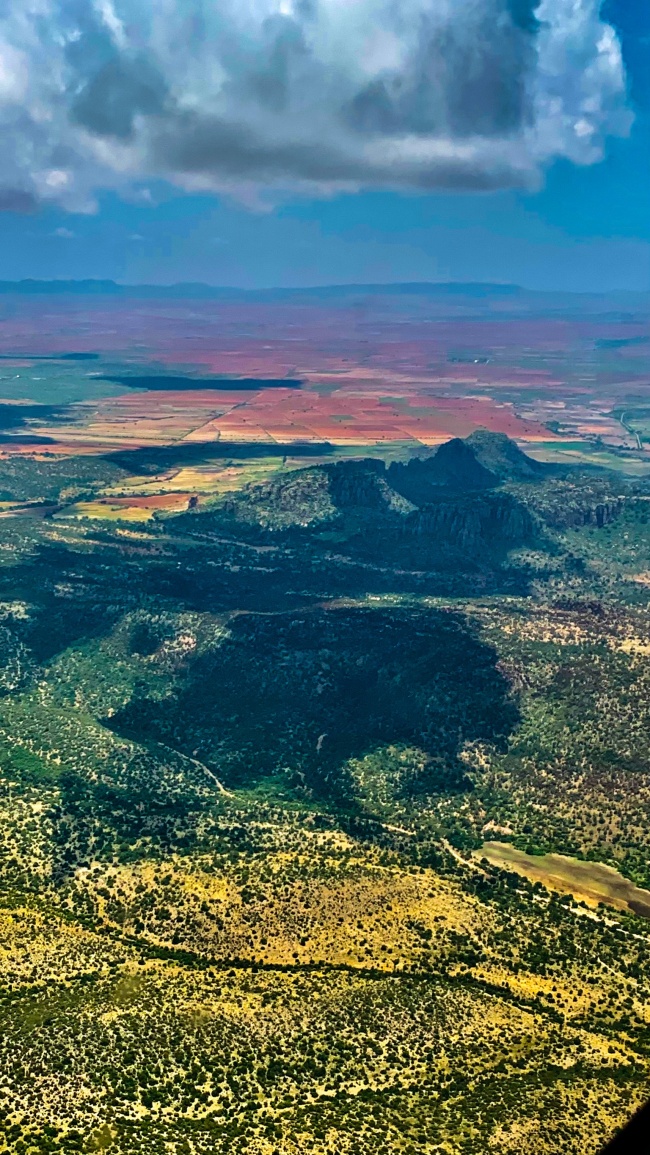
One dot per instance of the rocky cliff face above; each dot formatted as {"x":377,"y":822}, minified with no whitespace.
{"x":297,"y":500}
{"x":447,"y":505}
{"x":363,"y":484}
{"x":599,"y":515}
{"x":486,"y":522}
{"x":571,"y":506}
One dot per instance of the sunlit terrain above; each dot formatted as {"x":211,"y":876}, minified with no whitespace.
{"x":324,"y":725}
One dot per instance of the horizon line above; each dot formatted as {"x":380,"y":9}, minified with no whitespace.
{"x":109,"y":286}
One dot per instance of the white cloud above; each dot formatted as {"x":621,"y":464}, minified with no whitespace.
{"x":13,"y":74}
{"x":299,"y":94}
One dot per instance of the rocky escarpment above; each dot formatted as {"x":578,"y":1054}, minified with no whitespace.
{"x":599,"y":515}
{"x":474,"y":524}
{"x":296,"y":500}
{"x":573,"y":504}
{"x":442,"y":508}
{"x":363,"y":484}
{"x":309,"y":497}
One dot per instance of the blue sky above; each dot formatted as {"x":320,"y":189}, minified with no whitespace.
{"x":587,"y":227}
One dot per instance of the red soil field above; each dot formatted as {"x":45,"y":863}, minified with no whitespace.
{"x":354,"y":414}
{"x":375,"y":369}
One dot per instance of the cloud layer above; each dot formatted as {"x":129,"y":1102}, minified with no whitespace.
{"x":308,"y":94}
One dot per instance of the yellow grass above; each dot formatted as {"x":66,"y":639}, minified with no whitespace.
{"x":590,"y":882}
{"x":98,"y":509}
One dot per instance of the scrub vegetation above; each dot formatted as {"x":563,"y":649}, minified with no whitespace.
{"x":255,"y":759}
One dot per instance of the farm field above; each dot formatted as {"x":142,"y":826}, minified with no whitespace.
{"x":592,"y":882}
{"x":390,"y":374}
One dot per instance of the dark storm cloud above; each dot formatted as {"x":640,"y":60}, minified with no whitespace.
{"x":122,"y":89}
{"x":463,"y":81}
{"x":197,"y":145}
{"x":294,"y":93}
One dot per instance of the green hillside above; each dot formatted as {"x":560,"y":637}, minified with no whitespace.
{"x":250,"y":756}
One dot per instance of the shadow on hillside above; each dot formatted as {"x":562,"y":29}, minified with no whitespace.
{"x":303,"y":692}
{"x":153,"y":460}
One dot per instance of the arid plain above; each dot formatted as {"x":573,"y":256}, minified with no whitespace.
{"x":351,"y":372}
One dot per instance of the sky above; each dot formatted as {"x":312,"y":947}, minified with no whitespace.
{"x":257,"y":143}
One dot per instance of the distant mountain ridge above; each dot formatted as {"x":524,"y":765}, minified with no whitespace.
{"x":509,"y":301}
{"x":451,"y":291}
{"x":198,"y":289}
